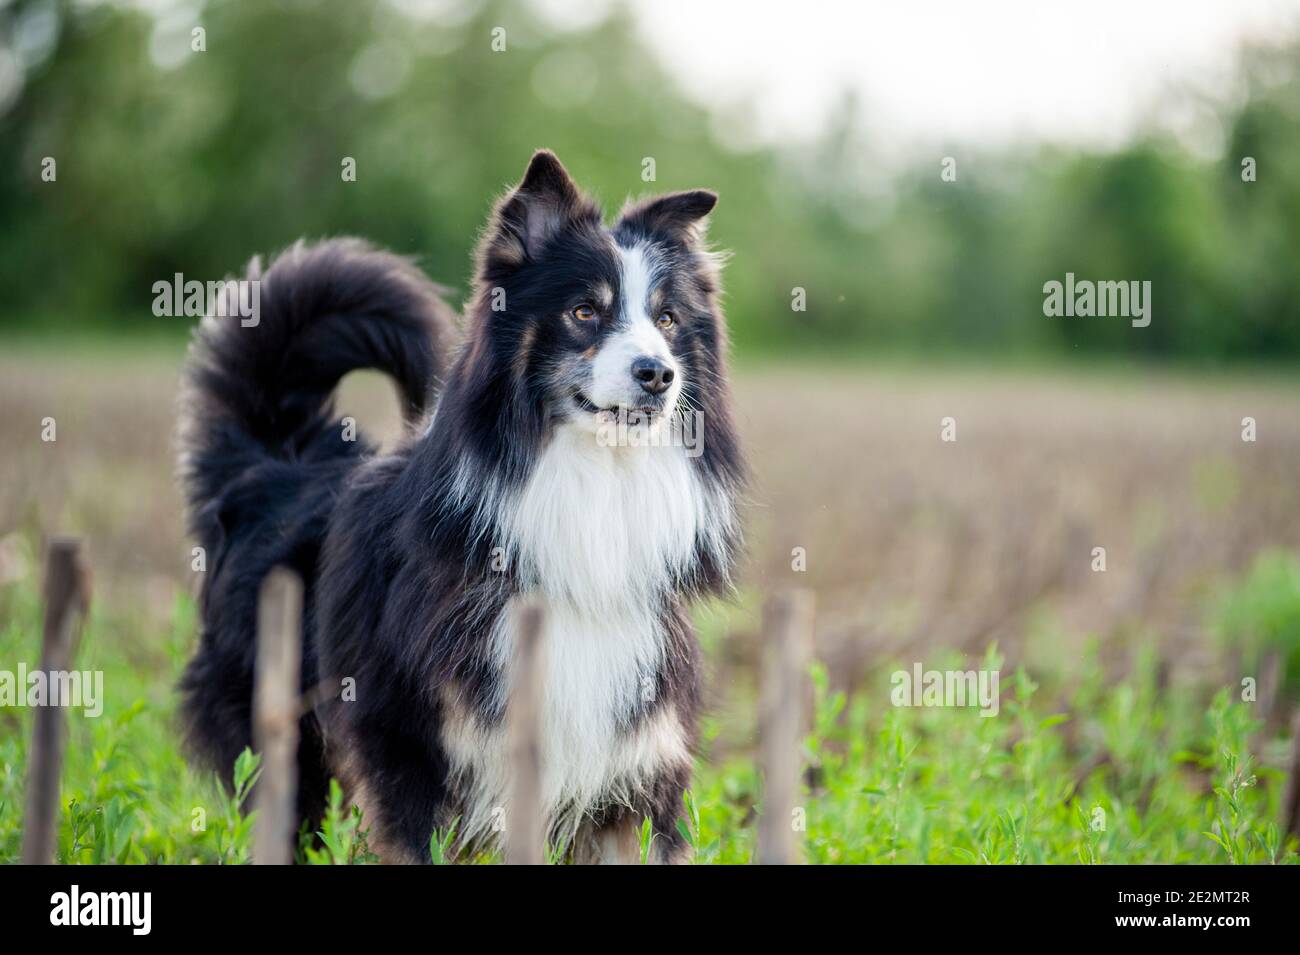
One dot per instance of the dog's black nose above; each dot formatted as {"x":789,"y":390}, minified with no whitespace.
{"x":654,"y":375}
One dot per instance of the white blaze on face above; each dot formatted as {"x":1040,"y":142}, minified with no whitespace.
{"x":634,"y":337}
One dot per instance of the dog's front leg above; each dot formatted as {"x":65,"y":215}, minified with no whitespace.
{"x":669,"y":846}
{"x":615,"y":842}
{"x":399,"y":786}
{"x":618,"y":842}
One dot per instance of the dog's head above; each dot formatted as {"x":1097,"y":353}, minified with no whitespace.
{"x":593,"y":319}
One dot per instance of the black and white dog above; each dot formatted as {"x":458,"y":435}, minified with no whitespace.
{"x":508,"y":485}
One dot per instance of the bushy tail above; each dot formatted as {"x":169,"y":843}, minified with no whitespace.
{"x":262,"y":457}
{"x":323,"y":310}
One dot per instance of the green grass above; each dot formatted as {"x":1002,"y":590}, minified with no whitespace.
{"x":1079,"y":770}
{"x":947,"y":786}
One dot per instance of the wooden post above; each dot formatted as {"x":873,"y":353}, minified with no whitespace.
{"x":1272,"y":699}
{"x":67,"y":594}
{"x":787,"y":638}
{"x":1291,"y":797}
{"x":276,"y":709}
{"x":525,"y":830}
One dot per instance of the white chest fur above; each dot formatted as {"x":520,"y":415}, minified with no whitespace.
{"x":599,"y":534}
{"x":604,"y":528}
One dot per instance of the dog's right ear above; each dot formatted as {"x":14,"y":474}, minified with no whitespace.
{"x":544,"y":202}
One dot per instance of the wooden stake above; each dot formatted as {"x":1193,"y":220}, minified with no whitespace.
{"x":1291,"y":797}
{"x":787,"y":638}
{"x":525,"y":831}
{"x":1272,"y":698}
{"x":276,"y":709}
{"x":67,"y":594}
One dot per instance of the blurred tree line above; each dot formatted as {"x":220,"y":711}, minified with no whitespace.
{"x":172,"y":160}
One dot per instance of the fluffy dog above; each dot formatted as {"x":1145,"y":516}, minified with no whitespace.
{"x":511,"y":482}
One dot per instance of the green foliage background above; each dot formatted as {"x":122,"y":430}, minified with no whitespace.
{"x":175,"y":161}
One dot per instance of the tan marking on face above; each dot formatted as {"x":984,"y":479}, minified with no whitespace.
{"x":590,"y":353}
{"x":604,"y":295}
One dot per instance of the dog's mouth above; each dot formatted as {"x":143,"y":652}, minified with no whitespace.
{"x":587,"y":405}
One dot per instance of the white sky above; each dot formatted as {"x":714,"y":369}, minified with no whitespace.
{"x":984,"y":71}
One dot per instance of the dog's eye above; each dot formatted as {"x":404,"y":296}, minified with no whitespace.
{"x":665,"y":320}
{"x":584,"y":313}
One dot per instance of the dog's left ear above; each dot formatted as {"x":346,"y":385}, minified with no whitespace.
{"x":678,"y":216}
